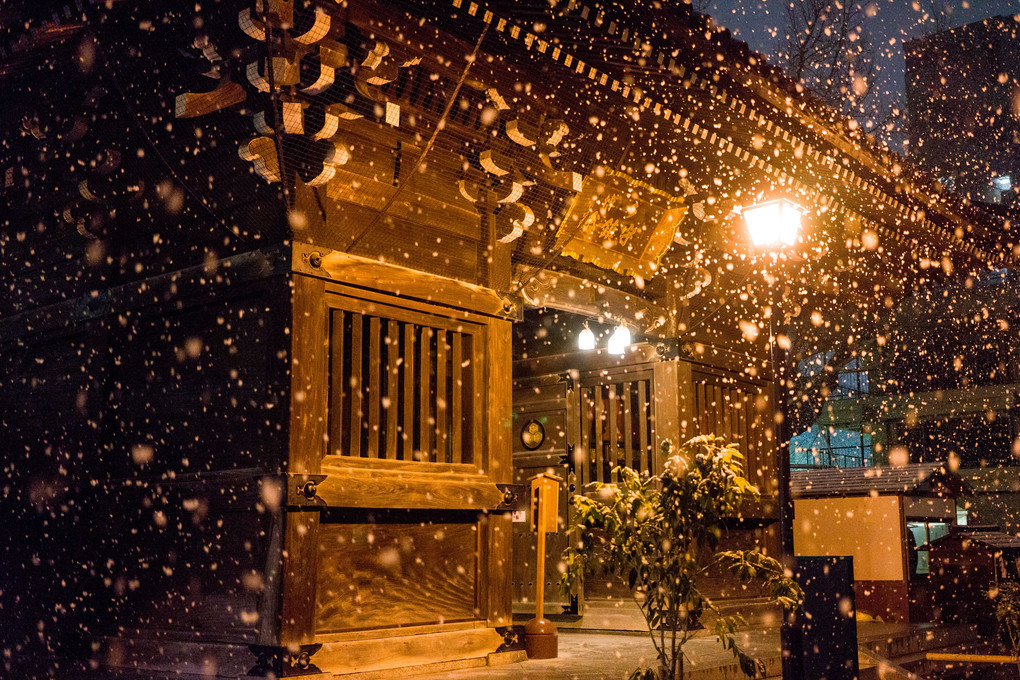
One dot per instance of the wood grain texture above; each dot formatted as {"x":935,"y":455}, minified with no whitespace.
{"x":300,"y":576}
{"x":401,"y":282}
{"x":500,"y":407}
{"x":309,"y":368}
{"x":386,"y":575}
{"x":373,"y":487}
{"x":412,"y":650}
{"x":665,"y":409}
{"x":496,"y":596}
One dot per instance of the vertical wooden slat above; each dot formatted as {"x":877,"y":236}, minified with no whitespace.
{"x":309,"y":363}
{"x":598,"y":444}
{"x":300,"y":574}
{"x":628,"y":427}
{"x":643,"y":425}
{"x":336,"y":381}
{"x":688,"y":401}
{"x":407,"y":433}
{"x":717,"y":402}
{"x":498,"y":401}
{"x":614,"y":435}
{"x":740,"y":426}
{"x":374,"y":387}
{"x":357,"y":417}
{"x":665,"y":405}
{"x":425,"y":427}
{"x":442,"y":397}
{"x":456,"y":397}
{"x":705,"y":417}
{"x":581,"y":462}
{"x":392,"y":387}
{"x":478,"y":409}
{"x":726,"y":406}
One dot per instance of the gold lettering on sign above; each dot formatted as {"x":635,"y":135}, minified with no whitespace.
{"x":620,"y":223}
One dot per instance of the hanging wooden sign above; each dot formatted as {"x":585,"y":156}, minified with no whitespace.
{"x":620,"y":223}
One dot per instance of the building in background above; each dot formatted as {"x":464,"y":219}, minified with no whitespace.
{"x":963,"y":95}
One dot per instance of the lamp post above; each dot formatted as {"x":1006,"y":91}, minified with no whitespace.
{"x":772,"y":226}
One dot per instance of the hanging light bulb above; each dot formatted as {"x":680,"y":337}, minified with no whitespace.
{"x":619,"y":340}
{"x":586,"y":338}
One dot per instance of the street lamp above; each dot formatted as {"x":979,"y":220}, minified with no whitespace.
{"x":775,"y":225}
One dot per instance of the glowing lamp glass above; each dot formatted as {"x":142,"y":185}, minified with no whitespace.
{"x":586,"y":339}
{"x":619,"y":340}
{"x":775,"y":223}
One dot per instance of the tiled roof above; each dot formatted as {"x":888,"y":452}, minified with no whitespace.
{"x":995,"y":539}
{"x":917,"y":479}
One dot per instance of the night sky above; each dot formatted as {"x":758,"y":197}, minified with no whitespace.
{"x":892,"y":22}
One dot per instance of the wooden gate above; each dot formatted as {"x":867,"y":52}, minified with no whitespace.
{"x":616,"y":426}
{"x":608,"y":413}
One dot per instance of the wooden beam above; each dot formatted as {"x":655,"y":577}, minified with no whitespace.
{"x":558,"y":290}
{"x":309,"y":368}
{"x":400,"y":281}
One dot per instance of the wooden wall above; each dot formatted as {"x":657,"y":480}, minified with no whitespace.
{"x":400,"y":415}
{"x":137,"y":437}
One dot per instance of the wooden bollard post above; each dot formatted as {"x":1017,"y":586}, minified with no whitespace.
{"x":540,"y":638}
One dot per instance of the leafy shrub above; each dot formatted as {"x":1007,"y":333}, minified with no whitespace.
{"x":654,"y":534}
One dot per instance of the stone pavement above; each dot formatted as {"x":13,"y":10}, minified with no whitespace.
{"x":588,"y":655}
{"x":613,"y":656}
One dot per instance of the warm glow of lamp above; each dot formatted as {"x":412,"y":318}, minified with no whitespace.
{"x":586,"y":338}
{"x":619,"y":340}
{"x":775,"y":223}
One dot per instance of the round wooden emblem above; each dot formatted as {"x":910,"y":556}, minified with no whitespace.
{"x":532,"y":435}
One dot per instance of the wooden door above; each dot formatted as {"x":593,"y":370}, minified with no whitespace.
{"x":594,"y":420}
{"x":549,"y":403}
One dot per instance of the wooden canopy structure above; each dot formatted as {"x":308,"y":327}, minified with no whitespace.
{"x":262,"y":265}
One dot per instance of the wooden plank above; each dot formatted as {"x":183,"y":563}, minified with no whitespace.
{"x":496,"y":592}
{"x":599,"y":416}
{"x":411,"y":650}
{"x":372,"y":634}
{"x":336,"y":381}
{"x":424,"y":426}
{"x":725,"y":397}
{"x":300,"y":573}
{"x":309,"y":366}
{"x":717,"y":410}
{"x":628,"y":426}
{"x":688,"y":400}
{"x":374,"y":386}
{"x":400,"y":281}
{"x":614,"y":425}
{"x":430,"y":574}
{"x":704,"y":408}
{"x":456,"y":397}
{"x":392,"y":387}
{"x":665,"y":406}
{"x":499,"y":405}
{"x":643,"y":426}
{"x":442,"y":398}
{"x":357,"y":386}
{"x":407,"y":427}
{"x":477,"y":409}
{"x":359,"y":487}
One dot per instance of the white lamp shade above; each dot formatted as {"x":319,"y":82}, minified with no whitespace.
{"x":619,"y":340}
{"x":774,"y":223}
{"x":586,"y":339}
